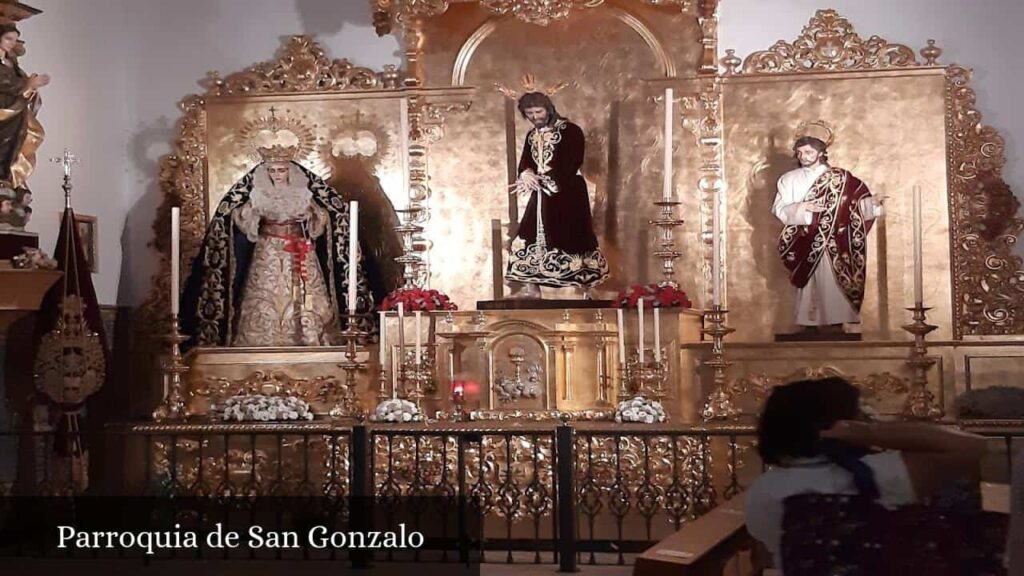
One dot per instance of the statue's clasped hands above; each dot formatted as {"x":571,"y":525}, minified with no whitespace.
{"x":527,"y":183}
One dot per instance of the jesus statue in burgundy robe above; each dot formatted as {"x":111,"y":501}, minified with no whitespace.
{"x":827,"y":213}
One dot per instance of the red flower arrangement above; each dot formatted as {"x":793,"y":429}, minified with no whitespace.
{"x":413,"y":299}
{"x":662,"y":295}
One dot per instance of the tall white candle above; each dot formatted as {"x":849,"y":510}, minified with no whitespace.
{"x":918,"y":255}
{"x":353,"y":254}
{"x":666,"y":192}
{"x":716,"y":255}
{"x":403,"y":126}
{"x":401,"y":347}
{"x":657,"y":334}
{"x":640,"y":320}
{"x":175,"y":259}
{"x":418,"y":337}
{"x":383,"y":340}
{"x":622,"y":338}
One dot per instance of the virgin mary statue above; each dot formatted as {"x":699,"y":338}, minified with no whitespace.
{"x":273,"y":267}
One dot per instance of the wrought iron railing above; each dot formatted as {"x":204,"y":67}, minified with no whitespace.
{"x":533,"y":492}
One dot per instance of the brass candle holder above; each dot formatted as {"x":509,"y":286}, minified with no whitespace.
{"x":417,"y":377}
{"x":666,"y":224}
{"x":644,"y":379}
{"x":347,"y":402}
{"x":173,"y":369}
{"x":408,"y":230}
{"x":719,"y":405}
{"x":920,"y":404}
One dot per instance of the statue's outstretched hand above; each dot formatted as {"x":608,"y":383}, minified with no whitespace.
{"x":36,"y":81}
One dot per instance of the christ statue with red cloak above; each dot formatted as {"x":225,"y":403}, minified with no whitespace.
{"x":827,"y":212}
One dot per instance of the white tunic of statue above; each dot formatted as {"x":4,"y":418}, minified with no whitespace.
{"x":283,"y":305}
{"x":822,"y":301}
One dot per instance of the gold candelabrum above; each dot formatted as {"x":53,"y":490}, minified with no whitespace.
{"x":666,"y":224}
{"x":720,"y":402}
{"x":920,"y":404}
{"x":408,"y":230}
{"x":644,"y":379}
{"x":173,"y":369}
{"x":347,"y":401}
{"x":412,"y":380}
{"x":417,"y":378}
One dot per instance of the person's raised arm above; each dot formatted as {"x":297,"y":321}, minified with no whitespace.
{"x":936,"y":456}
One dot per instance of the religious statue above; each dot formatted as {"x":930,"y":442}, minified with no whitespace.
{"x":20,"y":132}
{"x":273,"y":267}
{"x":827,"y":212}
{"x":555,"y":244}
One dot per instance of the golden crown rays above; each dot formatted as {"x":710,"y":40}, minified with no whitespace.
{"x":816,"y":129}
{"x":529,"y":84}
{"x":270,"y":138}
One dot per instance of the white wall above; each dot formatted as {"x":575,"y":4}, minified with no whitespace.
{"x":121,"y":66}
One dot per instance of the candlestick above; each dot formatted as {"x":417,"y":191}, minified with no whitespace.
{"x":383,"y":340}
{"x":353,"y":254}
{"x":640,"y":318}
{"x":404,"y":127}
{"x":716,"y":256}
{"x":175,"y":258}
{"x":669,"y":107}
{"x":918,"y":261}
{"x":418,"y":313}
{"x":401,"y":350}
{"x":622,"y":339}
{"x":657,"y":334}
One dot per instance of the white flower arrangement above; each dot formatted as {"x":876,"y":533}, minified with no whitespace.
{"x":640,"y":410}
{"x":260,"y":408}
{"x":396,"y":410}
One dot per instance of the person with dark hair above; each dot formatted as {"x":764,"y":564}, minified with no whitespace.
{"x":555,"y":244}
{"x":827,"y":213}
{"x":817,"y":440}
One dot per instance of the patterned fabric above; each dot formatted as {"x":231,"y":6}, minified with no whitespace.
{"x":834,"y":535}
{"x":556,"y":268}
{"x":839,"y":233}
{"x":215,"y":290}
{"x":277,"y":310}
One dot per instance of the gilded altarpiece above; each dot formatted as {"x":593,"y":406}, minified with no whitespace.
{"x":899,"y":122}
{"x":620,"y":55}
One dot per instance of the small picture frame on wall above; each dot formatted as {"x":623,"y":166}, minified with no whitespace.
{"x":89,"y":234}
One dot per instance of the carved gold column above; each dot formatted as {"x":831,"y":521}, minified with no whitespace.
{"x":708,"y":21}
{"x":702,"y":117}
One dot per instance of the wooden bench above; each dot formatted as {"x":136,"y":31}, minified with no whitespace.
{"x":701,"y":547}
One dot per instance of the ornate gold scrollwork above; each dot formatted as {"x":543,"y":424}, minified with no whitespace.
{"x":273,"y":383}
{"x":539,"y":12}
{"x":988,"y":278}
{"x":828,"y":42}
{"x":301,"y":66}
{"x":756,"y":386}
